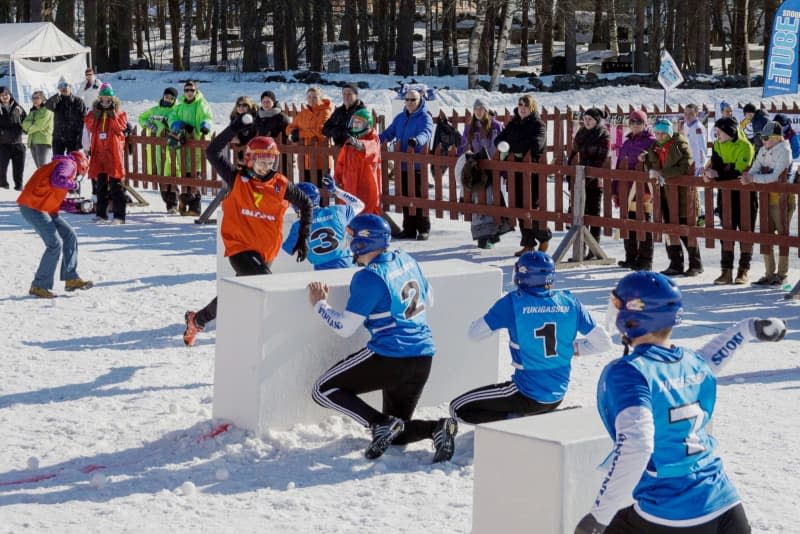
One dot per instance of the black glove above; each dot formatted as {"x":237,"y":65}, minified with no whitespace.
{"x":771,"y":329}
{"x":301,"y":247}
{"x":205,"y":131}
{"x":295,"y":137}
{"x":242,"y":122}
{"x":412,"y":143}
{"x":589,"y":525}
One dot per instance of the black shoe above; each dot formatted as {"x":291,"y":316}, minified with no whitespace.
{"x":17,"y":188}
{"x":484,"y":243}
{"x":382,"y":436}
{"x":627,"y":264}
{"x":494,"y":239}
{"x":405,"y":234}
{"x":444,"y":439}
{"x":589,"y":256}
{"x":422,"y":236}
{"x":693,"y":271}
{"x":672,"y":271}
{"x":643,"y":266}
{"x":4,"y":185}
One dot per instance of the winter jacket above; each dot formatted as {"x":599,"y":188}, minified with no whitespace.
{"x":11,"y":117}
{"x":47,"y":188}
{"x":39,"y":126}
{"x":154,"y":122}
{"x":769,"y":164}
{"x":672,"y":159}
{"x":271,"y":122}
{"x":697,"y":136}
{"x":752,"y":128}
{"x":628,"y":159}
{"x":308,"y":123}
{"x":195,"y":114}
{"x":591,"y":146}
{"x":359,"y":171}
{"x":417,"y":125}
{"x":107,"y":128}
{"x":731,"y":158}
{"x":337,"y":127}
{"x":68,"y":113}
{"x":155,"y":119}
{"x":524,"y":135}
{"x":479,"y":140}
{"x":89,"y":92}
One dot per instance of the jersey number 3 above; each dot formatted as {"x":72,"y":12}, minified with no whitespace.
{"x":690,"y":412}
{"x":411,"y":293}
{"x":323,"y":240}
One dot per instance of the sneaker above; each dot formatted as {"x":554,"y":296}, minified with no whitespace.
{"x":778,"y":280}
{"x":172,"y":211}
{"x":382,"y":436}
{"x":41,"y":292}
{"x":117,"y":222}
{"x":693,"y":271}
{"x":77,"y":283}
{"x":423,"y":236}
{"x":485,"y":243}
{"x":766,"y":280}
{"x":494,"y":239}
{"x":192,"y":328}
{"x":444,"y":439}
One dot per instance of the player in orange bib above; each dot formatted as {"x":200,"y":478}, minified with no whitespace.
{"x":252,"y":228}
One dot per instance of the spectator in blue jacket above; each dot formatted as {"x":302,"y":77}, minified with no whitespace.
{"x":413,"y":127}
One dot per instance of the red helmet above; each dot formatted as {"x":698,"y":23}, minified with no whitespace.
{"x":80,"y":160}
{"x":259,"y":146}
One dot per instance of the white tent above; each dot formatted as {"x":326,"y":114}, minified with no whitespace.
{"x":23,"y":46}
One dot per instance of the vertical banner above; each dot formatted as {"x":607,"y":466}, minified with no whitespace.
{"x":33,"y":76}
{"x":781,"y":73}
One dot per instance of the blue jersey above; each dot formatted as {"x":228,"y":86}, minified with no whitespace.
{"x":542,"y":325}
{"x":392,"y":293}
{"x":327,"y":246}
{"x":684,"y":479}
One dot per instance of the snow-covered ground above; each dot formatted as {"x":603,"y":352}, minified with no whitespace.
{"x":105,"y":415}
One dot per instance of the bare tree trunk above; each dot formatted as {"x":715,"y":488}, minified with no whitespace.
{"x":350,"y":17}
{"x":669,"y":25}
{"x":654,"y":36}
{"x":199,"y":20}
{"x":428,"y":36}
{"x":499,"y":59}
{"x":65,"y":17}
{"x":639,"y":61}
{"x":90,"y":26}
{"x":103,"y":61}
{"x":448,"y":8}
{"x":741,"y":50}
{"x":251,"y":26}
{"x":187,"y":33}
{"x":570,"y":39}
{"x":291,"y":34}
{"x":363,"y":33}
{"x":523,"y":34}
{"x":212,"y":60}
{"x":318,"y":35}
{"x":544,"y":11}
{"x":223,"y":26}
{"x":330,"y":27}
{"x":475,"y":44}
{"x":486,"y":54}
{"x":161,"y":18}
{"x":308,"y":29}
{"x":120,"y":39}
{"x":597,"y":27}
{"x":175,"y":31}
{"x":681,"y":46}
{"x":770,"y":9}
{"x":404,"y":63}
{"x":140,"y":22}
{"x":613,"y":39}
{"x":279,"y":35}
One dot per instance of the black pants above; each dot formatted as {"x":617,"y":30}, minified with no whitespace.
{"x":65,"y":146}
{"x":496,"y":402}
{"x":15,"y":153}
{"x":400,"y":379}
{"x":635,"y":250}
{"x":247,"y":263}
{"x":414,"y":222}
{"x":594,"y":197}
{"x":534,"y":234}
{"x":110,"y":188}
{"x":627,"y":521}
{"x":746,"y":249}
{"x":169,"y":196}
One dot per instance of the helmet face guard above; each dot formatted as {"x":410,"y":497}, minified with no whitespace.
{"x":645,"y":302}
{"x":363,"y":116}
{"x":261,"y":147}
{"x":311,"y":191}
{"x":368,"y":233}
{"x":534,"y":269}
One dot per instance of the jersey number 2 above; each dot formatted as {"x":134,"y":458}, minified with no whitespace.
{"x":690,"y":412}
{"x":548,"y":334}
{"x":411,"y":292}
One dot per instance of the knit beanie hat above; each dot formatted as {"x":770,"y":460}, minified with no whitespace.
{"x":62,"y":83}
{"x":749,"y":108}
{"x":106,"y":90}
{"x":353,"y":87}
{"x":4,"y":89}
{"x":171,"y":91}
{"x":729,"y":125}
{"x":479,"y":103}
{"x":772,"y":128}
{"x":595,"y":113}
{"x":723,"y":106}
{"x":663,"y":126}
{"x":638,"y":115}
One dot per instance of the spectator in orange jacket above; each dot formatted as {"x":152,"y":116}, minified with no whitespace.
{"x":106,"y":124}
{"x":307,"y":128}
{"x":358,"y":166}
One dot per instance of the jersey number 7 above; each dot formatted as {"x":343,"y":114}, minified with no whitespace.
{"x":694,"y":413}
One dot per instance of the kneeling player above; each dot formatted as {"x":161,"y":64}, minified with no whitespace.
{"x":657,"y":403}
{"x":542,"y":326}
{"x":390,"y":297}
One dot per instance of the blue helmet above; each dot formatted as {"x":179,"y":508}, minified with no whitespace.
{"x":534,"y":269}
{"x":647,"y":302}
{"x":311,"y":191}
{"x":368,"y":232}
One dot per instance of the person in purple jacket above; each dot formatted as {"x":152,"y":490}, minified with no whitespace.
{"x":638,"y":254}
{"x":478,"y":143}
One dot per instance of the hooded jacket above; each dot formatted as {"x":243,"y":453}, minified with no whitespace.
{"x":39,"y":126}
{"x":107,"y":128}
{"x":359,"y":171}
{"x":196,"y":114}
{"x":417,"y":125}
{"x":11,"y":117}
{"x":629,"y":156}
{"x":308,"y":123}
{"x":46,"y":189}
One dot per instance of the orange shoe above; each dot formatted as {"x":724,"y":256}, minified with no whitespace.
{"x":192,"y":328}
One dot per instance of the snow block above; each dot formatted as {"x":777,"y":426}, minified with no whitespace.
{"x":537,"y":473}
{"x":283,"y":262}
{"x":271,"y":348}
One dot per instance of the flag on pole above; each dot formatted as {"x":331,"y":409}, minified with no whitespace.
{"x":669,"y":75}
{"x":781,"y":73}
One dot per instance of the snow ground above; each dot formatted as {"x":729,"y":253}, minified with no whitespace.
{"x":99,"y":382}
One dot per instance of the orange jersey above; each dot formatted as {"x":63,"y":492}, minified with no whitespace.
{"x":39,"y":194}
{"x":253,"y":216}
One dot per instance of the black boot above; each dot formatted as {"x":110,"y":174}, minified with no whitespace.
{"x":645,"y":262}
{"x":675,"y":254}
{"x":630,"y":254}
{"x":695,"y":263}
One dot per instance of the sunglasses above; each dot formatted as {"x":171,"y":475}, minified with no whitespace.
{"x":188,"y":90}
{"x":241,"y":105}
{"x":412,"y":99}
{"x":635,"y":121}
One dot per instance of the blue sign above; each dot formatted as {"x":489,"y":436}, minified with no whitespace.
{"x":781,"y":73}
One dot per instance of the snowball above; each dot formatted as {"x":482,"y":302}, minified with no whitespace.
{"x":290,"y":486}
{"x":503,"y":146}
{"x":222,"y":474}
{"x":188,"y":488}
{"x":98,"y":481}
{"x":173,"y":408}
{"x":33,"y":462}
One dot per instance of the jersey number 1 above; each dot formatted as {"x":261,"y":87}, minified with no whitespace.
{"x":548,"y":334}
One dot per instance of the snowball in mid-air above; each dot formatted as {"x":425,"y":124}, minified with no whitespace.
{"x":290,"y":486}
{"x":33,"y":462}
{"x":188,"y":488}
{"x":222,"y":474}
{"x":98,"y":481}
{"x":173,"y":408}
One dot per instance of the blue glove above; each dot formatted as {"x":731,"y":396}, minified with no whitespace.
{"x":589,"y":525}
{"x":329,"y":183}
{"x":205,"y":128}
{"x":177,"y":126}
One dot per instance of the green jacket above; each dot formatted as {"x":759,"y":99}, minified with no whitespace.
{"x":196,"y":114}
{"x":731,"y":158}
{"x":155,"y":119}
{"x":39,"y":126}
